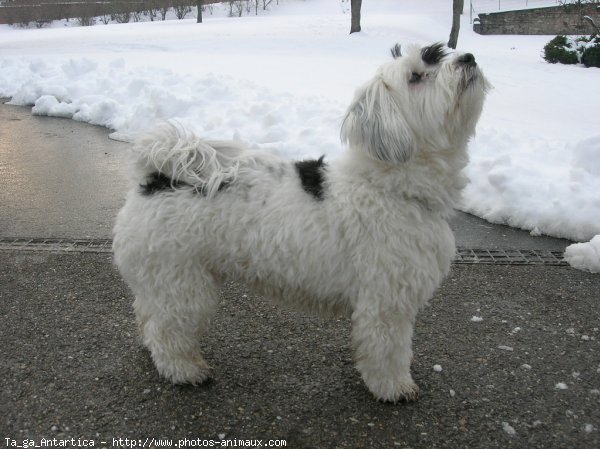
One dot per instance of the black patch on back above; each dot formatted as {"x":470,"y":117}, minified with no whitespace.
{"x":158,"y":182}
{"x":311,"y":174}
{"x":433,"y":54}
{"x":396,"y":51}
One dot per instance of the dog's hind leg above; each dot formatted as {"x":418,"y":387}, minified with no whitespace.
{"x":382,"y":341}
{"x":173,"y":311}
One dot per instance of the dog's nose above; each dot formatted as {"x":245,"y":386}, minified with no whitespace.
{"x":467,"y":59}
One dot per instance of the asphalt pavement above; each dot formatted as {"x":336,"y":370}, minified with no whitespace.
{"x":59,"y":178}
{"x":506,"y":356}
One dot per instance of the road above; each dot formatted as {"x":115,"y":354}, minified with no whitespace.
{"x":524,"y":373}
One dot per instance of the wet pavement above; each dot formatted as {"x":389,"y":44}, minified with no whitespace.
{"x":58,"y":178}
{"x":518,"y":346}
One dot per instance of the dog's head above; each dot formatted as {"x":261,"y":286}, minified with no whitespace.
{"x":425,"y":98}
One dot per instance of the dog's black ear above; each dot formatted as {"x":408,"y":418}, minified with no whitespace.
{"x":376,"y":124}
{"x":434,"y":54}
{"x":396,"y":51}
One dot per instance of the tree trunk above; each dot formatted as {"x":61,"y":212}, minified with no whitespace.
{"x":457,"y":8}
{"x":199,"y":14}
{"x":355,"y":11}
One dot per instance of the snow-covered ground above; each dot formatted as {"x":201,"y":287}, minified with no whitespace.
{"x":281,"y":81}
{"x":488,"y":6}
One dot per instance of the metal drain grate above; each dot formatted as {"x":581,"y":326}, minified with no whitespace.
{"x":508,"y":257}
{"x":57,"y":245}
{"x":470,"y":256}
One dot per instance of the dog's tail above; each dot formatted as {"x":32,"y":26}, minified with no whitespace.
{"x":176,"y":153}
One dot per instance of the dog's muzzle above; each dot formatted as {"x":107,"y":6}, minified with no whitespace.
{"x":468,"y":66}
{"x":467,"y":59}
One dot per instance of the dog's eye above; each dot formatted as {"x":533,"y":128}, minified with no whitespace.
{"x":415,"y":77}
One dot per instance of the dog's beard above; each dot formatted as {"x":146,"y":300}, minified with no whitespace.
{"x":469,"y":76}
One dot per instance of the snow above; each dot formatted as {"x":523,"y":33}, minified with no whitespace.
{"x":510,"y":430}
{"x":476,"y":319}
{"x":585,"y":256}
{"x":561,"y":386}
{"x":489,"y":6}
{"x":281,"y":81}
{"x":437,"y":368}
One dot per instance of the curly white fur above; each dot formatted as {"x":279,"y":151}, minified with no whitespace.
{"x":373,"y":247}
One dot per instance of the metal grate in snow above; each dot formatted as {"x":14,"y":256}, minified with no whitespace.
{"x":471,"y":256}
{"x":508,"y":257}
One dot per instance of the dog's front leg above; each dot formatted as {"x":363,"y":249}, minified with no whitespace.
{"x":382,"y":340}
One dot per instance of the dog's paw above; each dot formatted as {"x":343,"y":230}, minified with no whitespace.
{"x":395,"y":392}
{"x":190,"y":370}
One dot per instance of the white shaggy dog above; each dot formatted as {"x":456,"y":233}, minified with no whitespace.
{"x":365,"y":237}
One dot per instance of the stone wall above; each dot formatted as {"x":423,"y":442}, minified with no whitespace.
{"x":45,"y":12}
{"x":41,"y":11}
{"x":567,"y":19}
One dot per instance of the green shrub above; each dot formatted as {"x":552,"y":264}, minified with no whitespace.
{"x":591,"y":53}
{"x":560,"y":49}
